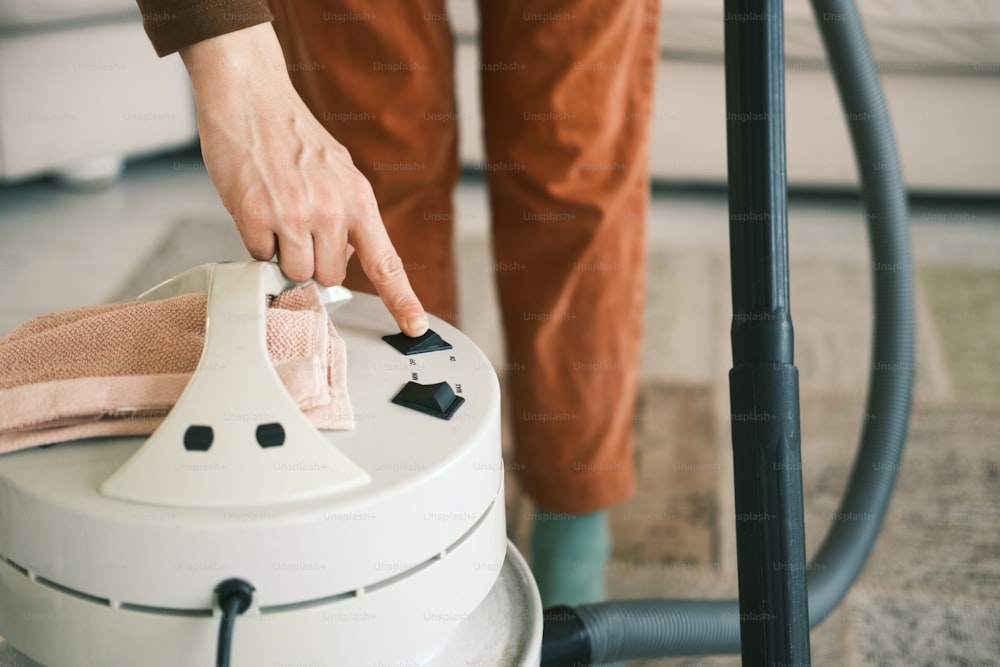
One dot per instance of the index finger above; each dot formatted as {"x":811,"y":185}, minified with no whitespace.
{"x":384,"y":267}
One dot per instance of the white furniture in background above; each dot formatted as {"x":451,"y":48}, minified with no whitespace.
{"x":81,"y":90}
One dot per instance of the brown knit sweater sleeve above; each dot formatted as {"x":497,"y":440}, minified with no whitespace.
{"x":174,"y":24}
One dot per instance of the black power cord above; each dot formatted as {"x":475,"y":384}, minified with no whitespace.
{"x":235,"y":596}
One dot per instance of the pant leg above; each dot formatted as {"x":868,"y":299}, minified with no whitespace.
{"x":380,"y":78}
{"x":567,"y":94}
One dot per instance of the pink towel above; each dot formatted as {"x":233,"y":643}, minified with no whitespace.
{"x":118,"y":369}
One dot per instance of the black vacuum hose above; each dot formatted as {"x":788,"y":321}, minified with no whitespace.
{"x":632,"y":629}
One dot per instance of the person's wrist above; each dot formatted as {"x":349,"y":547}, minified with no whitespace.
{"x":243,"y":63}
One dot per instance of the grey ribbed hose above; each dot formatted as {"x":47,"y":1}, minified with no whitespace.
{"x":652,"y":628}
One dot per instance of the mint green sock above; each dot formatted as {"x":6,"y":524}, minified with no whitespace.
{"x":569,"y":556}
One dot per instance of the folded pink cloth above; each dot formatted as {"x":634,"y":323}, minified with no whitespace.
{"x":119,"y":369}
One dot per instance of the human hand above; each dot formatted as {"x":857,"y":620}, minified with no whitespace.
{"x":291,"y":188}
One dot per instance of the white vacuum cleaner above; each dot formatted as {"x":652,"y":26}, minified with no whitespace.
{"x":380,"y":546}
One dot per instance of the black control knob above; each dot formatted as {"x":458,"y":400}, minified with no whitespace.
{"x":429,"y":342}
{"x":437,"y":400}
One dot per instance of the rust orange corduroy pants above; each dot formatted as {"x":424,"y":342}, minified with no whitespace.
{"x":567,"y":94}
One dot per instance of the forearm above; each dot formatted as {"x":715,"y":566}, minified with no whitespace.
{"x":241,"y":67}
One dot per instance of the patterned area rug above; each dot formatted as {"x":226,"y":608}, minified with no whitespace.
{"x":966,"y":307}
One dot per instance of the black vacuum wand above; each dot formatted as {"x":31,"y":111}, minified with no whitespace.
{"x":781,"y":596}
{"x":763,"y":383}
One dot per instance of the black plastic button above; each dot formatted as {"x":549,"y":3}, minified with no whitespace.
{"x":270,"y":435}
{"x":198,"y":438}
{"x":437,"y":400}
{"x":429,"y":342}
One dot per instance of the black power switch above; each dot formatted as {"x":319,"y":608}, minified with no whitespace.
{"x":430,"y":341}
{"x":437,"y":400}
